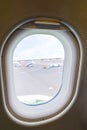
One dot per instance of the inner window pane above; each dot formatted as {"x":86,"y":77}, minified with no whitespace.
{"x":38,"y":63}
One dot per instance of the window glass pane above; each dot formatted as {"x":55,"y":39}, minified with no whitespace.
{"x":38,"y":63}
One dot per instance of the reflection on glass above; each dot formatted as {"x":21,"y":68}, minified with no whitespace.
{"x":38,"y":66}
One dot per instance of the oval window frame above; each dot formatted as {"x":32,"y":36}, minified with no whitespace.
{"x":23,"y":114}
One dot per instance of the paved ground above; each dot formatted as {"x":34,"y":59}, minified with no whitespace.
{"x":37,"y":80}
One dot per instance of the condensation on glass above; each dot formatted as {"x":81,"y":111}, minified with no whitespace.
{"x":38,"y":61}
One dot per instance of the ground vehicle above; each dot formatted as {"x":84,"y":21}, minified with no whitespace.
{"x":29,"y":65}
{"x":16,"y":64}
{"x":54,"y":65}
{"x":12,"y":13}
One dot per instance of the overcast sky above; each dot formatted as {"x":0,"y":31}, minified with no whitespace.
{"x":38,"y":46}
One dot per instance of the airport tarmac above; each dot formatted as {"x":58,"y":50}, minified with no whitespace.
{"x":37,"y":80}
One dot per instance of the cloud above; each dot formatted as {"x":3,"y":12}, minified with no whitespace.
{"x":38,"y":46}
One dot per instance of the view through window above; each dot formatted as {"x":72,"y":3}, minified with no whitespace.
{"x":38,"y":62}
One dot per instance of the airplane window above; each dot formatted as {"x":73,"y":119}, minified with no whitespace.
{"x":41,"y":60}
{"x":38,"y":66}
